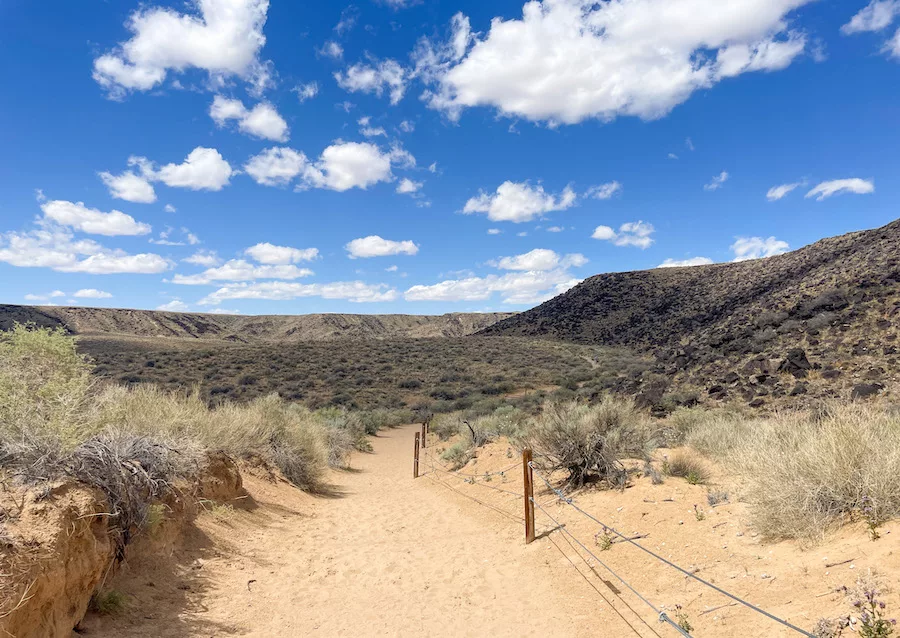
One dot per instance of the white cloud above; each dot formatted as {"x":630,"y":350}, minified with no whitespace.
{"x":170,"y":209}
{"x":130,"y":187}
{"x":876,"y":16}
{"x":57,"y":248}
{"x":539,"y":259}
{"x":373,"y":131}
{"x":49,"y":295}
{"x":92,"y":221}
{"x":682,"y":263}
{"x":406,"y":126}
{"x":515,"y":288}
{"x":605,"y":59}
{"x":494,"y":231}
{"x":555,"y":229}
{"x":306,"y":91}
{"x":604,"y":191}
{"x":717,"y":182}
{"x":408,"y":186}
{"x":756,"y":247}
{"x":262,"y":121}
{"x":176,"y":305}
{"x":375,"y":78}
{"x":241,"y":270}
{"x":223,"y":311}
{"x":349,"y":17}
{"x":630,"y":234}
{"x":519,"y":202}
{"x":203,"y":169}
{"x":205,"y":258}
{"x":840,"y":186}
{"x":332,"y":49}
{"x":267,"y":253}
{"x":375,"y":246}
{"x":224,"y":40}
{"x":354,"y":291}
{"x":165,"y":238}
{"x":92,"y":293}
{"x":342,"y":166}
{"x":672,"y":156}
{"x":392,"y":268}
{"x":276,"y":166}
{"x":777,"y":192}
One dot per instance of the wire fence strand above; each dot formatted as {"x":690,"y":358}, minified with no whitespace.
{"x":663,"y":617}
{"x":738,"y":600}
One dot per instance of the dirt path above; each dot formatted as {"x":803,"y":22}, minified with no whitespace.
{"x":387,"y":556}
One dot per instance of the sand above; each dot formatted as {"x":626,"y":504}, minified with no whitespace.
{"x":384,"y":555}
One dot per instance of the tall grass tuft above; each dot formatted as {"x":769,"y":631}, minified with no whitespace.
{"x":804,"y":474}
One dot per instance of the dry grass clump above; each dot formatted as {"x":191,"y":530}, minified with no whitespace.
{"x":134,"y":444}
{"x":688,"y":466}
{"x":804,"y":474}
{"x":589,"y":441}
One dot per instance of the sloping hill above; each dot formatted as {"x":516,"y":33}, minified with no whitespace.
{"x":838,"y":299}
{"x":119,"y":323}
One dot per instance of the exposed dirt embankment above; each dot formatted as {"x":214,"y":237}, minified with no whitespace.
{"x":59,"y":545}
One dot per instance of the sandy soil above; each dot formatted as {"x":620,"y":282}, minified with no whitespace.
{"x":384,"y":555}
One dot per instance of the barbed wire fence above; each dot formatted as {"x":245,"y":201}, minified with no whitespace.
{"x":529,"y":470}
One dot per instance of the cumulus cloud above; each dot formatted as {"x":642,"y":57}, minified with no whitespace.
{"x":604,"y":191}
{"x":92,"y":293}
{"x":223,"y":38}
{"x":79,"y":217}
{"x":205,"y":258}
{"x":353,"y":291}
{"x":306,"y":91}
{"x":376,"y":78}
{"x":45,"y":297}
{"x":777,"y":192}
{"x":262,"y":121}
{"x":629,"y":234}
{"x":408,"y":186}
{"x":266,"y":253}
{"x":514,"y":288}
{"x":332,"y":49}
{"x":129,"y":187}
{"x":170,"y":209}
{"x":203,"y":169}
{"x":375,"y":246}
{"x":717,"y":182}
{"x":682,"y":263}
{"x":341,"y":166}
{"x":756,"y":248}
{"x":605,"y":59}
{"x":176,"y":305}
{"x":56,"y":248}
{"x":519,"y":202}
{"x":539,"y":259}
{"x":841,"y":186}
{"x":242,"y":270}
{"x":876,"y":16}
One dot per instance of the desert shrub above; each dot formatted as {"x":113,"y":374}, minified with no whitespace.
{"x":803,"y":475}
{"x":445,"y":425}
{"x":347,"y":422}
{"x":589,"y":440}
{"x":458,"y":454}
{"x":109,"y":602}
{"x":688,"y":466}
{"x":44,"y":386}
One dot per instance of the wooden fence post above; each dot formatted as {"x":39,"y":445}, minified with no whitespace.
{"x":423,"y":436}
{"x":529,"y":495}
{"x":416,"y":457}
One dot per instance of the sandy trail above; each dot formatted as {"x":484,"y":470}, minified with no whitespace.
{"x":387,"y":556}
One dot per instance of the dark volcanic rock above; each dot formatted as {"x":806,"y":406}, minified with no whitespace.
{"x":795,"y":363}
{"x":865,"y":390}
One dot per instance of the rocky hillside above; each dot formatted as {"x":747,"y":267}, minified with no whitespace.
{"x":119,"y":323}
{"x":827,"y":314}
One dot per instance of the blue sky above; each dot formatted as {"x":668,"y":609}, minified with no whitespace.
{"x":424,"y":157}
